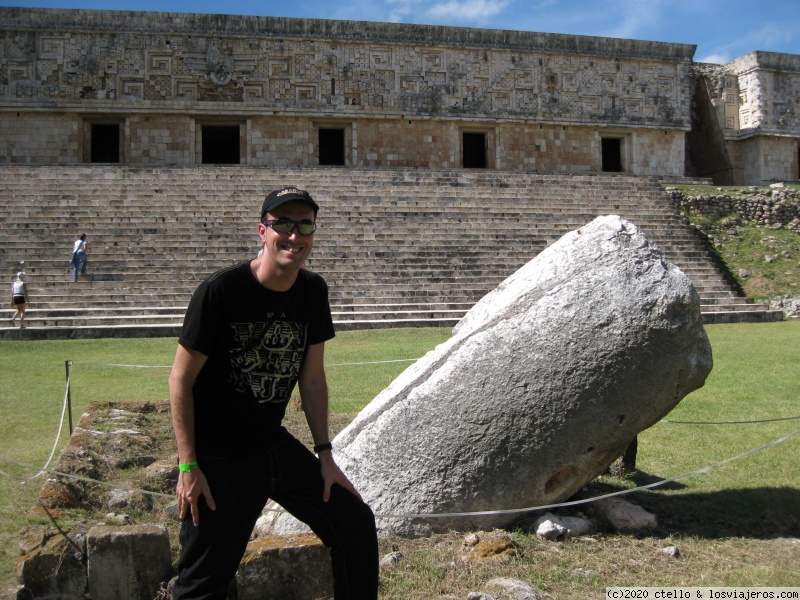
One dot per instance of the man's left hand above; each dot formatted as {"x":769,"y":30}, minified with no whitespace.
{"x":332,"y":474}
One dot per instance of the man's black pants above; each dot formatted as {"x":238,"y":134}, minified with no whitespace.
{"x":289,"y":474}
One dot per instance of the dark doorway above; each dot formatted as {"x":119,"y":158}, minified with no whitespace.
{"x":474,"y":150}
{"x":221,"y":144}
{"x":105,"y":143}
{"x":612,"y":155}
{"x":331,"y":147}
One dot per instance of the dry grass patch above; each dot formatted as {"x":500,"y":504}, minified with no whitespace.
{"x":583,"y":567}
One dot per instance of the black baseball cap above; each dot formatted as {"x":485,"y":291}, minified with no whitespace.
{"x":287,"y":194}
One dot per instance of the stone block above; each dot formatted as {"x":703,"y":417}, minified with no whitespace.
{"x":53,"y":566}
{"x":296,"y":567}
{"x":128,"y":563}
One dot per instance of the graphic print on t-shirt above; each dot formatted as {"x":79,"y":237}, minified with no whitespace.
{"x":266,"y":360}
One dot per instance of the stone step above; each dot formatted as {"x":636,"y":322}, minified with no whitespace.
{"x":715,"y":294}
{"x":162,"y":324}
{"x":739,"y":316}
{"x":47,"y":329}
{"x":731,"y":305}
{"x":387,"y":237}
{"x":33,"y":319}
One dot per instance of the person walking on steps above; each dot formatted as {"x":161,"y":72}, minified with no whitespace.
{"x":19,"y":299}
{"x":252,"y":332}
{"x":79,"y":259}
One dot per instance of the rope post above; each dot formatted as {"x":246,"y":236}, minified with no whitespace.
{"x":68,"y":365}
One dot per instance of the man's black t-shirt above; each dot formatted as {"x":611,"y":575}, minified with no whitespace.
{"x":256,"y":341}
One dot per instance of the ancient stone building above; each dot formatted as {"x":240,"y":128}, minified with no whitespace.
{"x":139,"y":88}
{"x":755,"y":135}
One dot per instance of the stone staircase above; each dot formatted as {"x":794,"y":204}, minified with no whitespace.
{"x":398,"y":248}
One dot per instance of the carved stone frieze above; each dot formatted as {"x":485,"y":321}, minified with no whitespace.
{"x":388,"y":69}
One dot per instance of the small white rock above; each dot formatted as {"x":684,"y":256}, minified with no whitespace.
{"x":672,"y":551}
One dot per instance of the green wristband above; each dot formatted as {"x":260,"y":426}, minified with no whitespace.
{"x":186,"y":467}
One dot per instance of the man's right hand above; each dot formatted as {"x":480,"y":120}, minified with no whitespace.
{"x":192,"y":485}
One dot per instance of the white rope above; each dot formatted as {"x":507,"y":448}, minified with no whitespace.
{"x":80,"y":478}
{"x":402,"y":360}
{"x":456,"y":514}
{"x":118,"y":365}
{"x":58,"y":433}
{"x":706,"y":469}
{"x":730,"y":422}
{"x":595,"y":498}
{"x":374,"y":362}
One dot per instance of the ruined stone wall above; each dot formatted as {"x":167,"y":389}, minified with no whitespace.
{"x":654,"y":149}
{"x":769,"y":88}
{"x":552,"y":149}
{"x":756,"y":93}
{"x":398,"y":143}
{"x":280,"y":142}
{"x":737,"y":153}
{"x":755,"y":102}
{"x":404,"y":92}
{"x":31,"y":138}
{"x":777,"y":207}
{"x":722,"y":87}
{"x":156,"y":139}
{"x":766,"y":159}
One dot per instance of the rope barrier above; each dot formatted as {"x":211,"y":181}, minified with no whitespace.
{"x":482,"y":513}
{"x":706,"y":469}
{"x":120,"y":365}
{"x":400,"y":360}
{"x":595,"y":498}
{"x":730,"y":422}
{"x":58,"y":437}
{"x":110,"y":484}
{"x":374,"y":362}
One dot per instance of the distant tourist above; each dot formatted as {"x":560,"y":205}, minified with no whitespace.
{"x":19,"y":299}
{"x":79,"y":259}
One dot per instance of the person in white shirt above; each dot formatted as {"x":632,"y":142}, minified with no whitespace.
{"x":79,"y":259}
{"x":19,"y":299}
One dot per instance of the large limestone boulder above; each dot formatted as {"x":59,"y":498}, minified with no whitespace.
{"x":542,"y":385}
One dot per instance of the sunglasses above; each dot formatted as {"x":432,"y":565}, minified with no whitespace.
{"x":287,"y":226}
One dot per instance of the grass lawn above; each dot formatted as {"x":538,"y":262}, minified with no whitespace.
{"x":736,"y":525}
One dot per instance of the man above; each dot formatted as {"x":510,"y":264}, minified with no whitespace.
{"x":252,"y":332}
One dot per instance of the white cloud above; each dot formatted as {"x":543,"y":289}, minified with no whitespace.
{"x":610,"y":18}
{"x":403,"y":10}
{"x":719,"y":58}
{"x":774,"y":33}
{"x":399,"y":13}
{"x":446,"y":12}
{"x":477,"y":11}
{"x":634,"y":17}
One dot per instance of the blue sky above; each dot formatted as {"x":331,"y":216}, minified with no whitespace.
{"x":721,"y":29}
